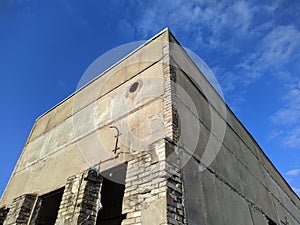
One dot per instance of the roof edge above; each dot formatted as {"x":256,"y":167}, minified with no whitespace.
{"x":166,"y":29}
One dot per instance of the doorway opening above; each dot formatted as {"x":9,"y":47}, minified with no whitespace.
{"x":112,"y":193}
{"x":49,"y":207}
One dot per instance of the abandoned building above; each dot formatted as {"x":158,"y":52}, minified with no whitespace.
{"x":149,"y":141}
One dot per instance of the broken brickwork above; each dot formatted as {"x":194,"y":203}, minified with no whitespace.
{"x":81,"y":199}
{"x":20,"y":209}
{"x":145,"y":187}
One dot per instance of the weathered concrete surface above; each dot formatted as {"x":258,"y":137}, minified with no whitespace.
{"x":157,"y":208}
{"x":210,"y":201}
{"x":190,"y":161}
{"x":240,"y":186}
{"x":78,"y":128}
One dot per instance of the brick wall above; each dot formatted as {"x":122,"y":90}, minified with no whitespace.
{"x":81,"y":199}
{"x":20,"y":209}
{"x":144,"y":199}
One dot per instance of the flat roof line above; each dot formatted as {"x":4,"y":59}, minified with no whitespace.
{"x":105,"y":71}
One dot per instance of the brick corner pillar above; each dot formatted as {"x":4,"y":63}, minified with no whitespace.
{"x":81,"y":199}
{"x":20,"y":209}
{"x":145,"y":199}
{"x":175,"y":193}
{"x":153,"y":187}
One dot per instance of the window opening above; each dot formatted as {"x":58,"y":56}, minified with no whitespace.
{"x":49,"y":207}
{"x":112,"y":193}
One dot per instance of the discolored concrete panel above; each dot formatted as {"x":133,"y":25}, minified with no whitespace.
{"x":240,"y":131}
{"x":39,"y":128}
{"x":45,"y":175}
{"x":193,"y":99}
{"x":239,"y":164}
{"x":280,"y":197}
{"x":55,"y":139}
{"x":182,"y":61}
{"x":196,"y":209}
{"x":191,"y":130}
{"x":115,"y":105}
{"x":156,"y":213}
{"x":209,"y":203}
{"x":140,"y":129}
{"x":282,"y":216}
{"x":114,"y":77}
{"x":258,"y":218}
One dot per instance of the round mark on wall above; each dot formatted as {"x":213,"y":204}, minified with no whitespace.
{"x":133,"y":87}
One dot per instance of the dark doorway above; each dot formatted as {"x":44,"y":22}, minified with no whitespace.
{"x":112,"y":193}
{"x":49,"y":207}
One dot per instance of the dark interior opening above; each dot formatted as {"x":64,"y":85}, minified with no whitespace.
{"x":49,"y":207}
{"x":271,"y":222}
{"x":112,"y":193}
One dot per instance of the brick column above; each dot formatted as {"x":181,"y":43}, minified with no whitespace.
{"x":153,"y":187}
{"x":173,"y":156}
{"x":81,"y":199}
{"x":144,"y":199}
{"x":3,"y":214}
{"x":170,"y":110}
{"x":20,"y":209}
{"x":175,"y":194}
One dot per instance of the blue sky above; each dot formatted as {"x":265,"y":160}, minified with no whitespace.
{"x":253,"y":48}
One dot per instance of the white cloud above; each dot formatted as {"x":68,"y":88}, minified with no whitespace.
{"x":229,"y":81}
{"x":229,"y":25}
{"x":288,"y":117}
{"x":211,"y":23}
{"x":273,"y":52}
{"x":289,"y":113}
{"x":293,"y":173}
{"x":274,"y":134}
{"x":280,"y":46}
{"x":292,"y":138}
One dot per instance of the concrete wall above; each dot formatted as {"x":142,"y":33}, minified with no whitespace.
{"x":227,"y":179}
{"x":75,"y":134}
{"x":189,"y":158}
